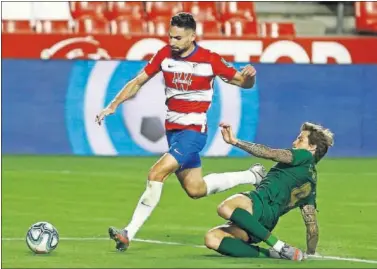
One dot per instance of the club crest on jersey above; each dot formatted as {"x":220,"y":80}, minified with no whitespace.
{"x":182,"y":81}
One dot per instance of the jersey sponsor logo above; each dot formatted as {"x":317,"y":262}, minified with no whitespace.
{"x":182,"y":81}
{"x":137,"y":127}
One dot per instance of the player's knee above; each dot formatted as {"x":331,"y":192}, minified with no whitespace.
{"x":156,"y":175}
{"x":195,"y":191}
{"x":225,"y":210}
{"x":212,"y":239}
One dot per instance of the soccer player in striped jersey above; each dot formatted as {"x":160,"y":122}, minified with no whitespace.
{"x":189,"y":71}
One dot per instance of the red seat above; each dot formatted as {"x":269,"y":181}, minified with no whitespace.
{"x":162,"y":9}
{"x":366,"y":16}
{"x":125,"y":9}
{"x":159,"y":26}
{"x":17,"y":26}
{"x":128,"y":26}
{"x":56,"y":27}
{"x":208,"y":28}
{"x":84,"y":9}
{"x":240,"y":27}
{"x":202,"y":11}
{"x":277,"y":29}
{"x":92,"y":26}
{"x":241,"y":10}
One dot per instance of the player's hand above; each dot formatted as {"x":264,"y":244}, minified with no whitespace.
{"x":248,"y":71}
{"x":228,"y":136}
{"x":107,"y":111}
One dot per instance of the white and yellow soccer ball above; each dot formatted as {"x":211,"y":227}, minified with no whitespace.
{"x":42,"y":237}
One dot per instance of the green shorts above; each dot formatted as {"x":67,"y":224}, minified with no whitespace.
{"x":264,"y":209}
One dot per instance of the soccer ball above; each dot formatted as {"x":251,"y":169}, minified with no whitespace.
{"x":42,"y":237}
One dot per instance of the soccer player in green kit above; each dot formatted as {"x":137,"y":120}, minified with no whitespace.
{"x":291,"y":183}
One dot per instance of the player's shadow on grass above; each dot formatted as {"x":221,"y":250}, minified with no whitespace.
{"x":214,"y":255}
{"x":30,"y":253}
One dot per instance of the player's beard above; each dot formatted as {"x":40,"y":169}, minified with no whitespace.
{"x":178,"y":52}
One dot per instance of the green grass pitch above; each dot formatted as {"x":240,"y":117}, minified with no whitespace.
{"x":82,"y":196}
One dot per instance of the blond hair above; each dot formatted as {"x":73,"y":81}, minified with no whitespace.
{"x":322,"y":137}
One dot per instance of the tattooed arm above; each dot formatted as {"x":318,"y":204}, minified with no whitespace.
{"x":308,"y":213}
{"x":261,"y":151}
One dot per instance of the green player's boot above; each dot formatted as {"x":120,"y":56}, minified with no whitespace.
{"x":292,"y":253}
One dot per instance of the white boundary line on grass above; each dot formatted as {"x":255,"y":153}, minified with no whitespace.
{"x":190,"y":245}
{"x":101,"y":173}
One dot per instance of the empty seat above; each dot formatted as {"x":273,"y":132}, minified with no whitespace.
{"x":17,"y":11}
{"x":51,"y":11}
{"x":125,"y":10}
{"x":277,"y":29}
{"x":88,"y":9}
{"x":92,"y":26}
{"x":240,"y":28}
{"x":17,"y":26}
{"x":54,"y":27}
{"x":366,"y":16}
{"x":159,"y":26}
{"x":208,"y":29}
{"x":202,"y":11}
{"x":162,"y":9}
{"x":241,"y":10}
{"x":128,"y":27}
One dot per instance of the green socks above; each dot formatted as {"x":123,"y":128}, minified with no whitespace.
{"x":235,"y":247}
{"x":251,"y":225}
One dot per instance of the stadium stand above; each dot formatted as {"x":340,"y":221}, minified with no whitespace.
{"x":264,"y":19}
{"x":366,"y":16}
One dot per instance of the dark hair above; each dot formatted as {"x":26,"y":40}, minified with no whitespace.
{"x":183,"y":20}
{"x":319,"y":136}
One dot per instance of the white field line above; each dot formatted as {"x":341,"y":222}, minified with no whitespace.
{"x":190,"y":245}
{"x":101,"y":173}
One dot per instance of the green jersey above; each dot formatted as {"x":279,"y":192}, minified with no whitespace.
{"x":292,"y":185}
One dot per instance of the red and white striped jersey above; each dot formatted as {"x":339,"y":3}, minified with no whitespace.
{"x":189,"y":85}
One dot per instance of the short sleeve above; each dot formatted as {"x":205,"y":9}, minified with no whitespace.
{"x":221,"y":68}
{"x":301,"y":156}
{"x":310,"y":201}
{"x":154,"y":65}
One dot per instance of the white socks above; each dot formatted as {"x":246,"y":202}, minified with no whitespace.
{"x":215,"y":183}
{"x":144,"y":208}
{"x":224,"y":181}
{"x":278,"y":246}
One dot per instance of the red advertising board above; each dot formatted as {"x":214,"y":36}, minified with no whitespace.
{"x":297,"y":50}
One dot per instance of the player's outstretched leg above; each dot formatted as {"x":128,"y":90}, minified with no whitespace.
{"x":219,"y":182}
{"x":196,"y":187}
{"x":239,"y":209}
